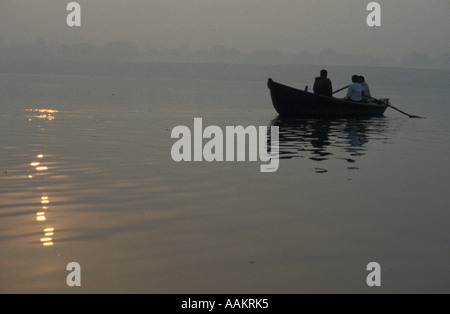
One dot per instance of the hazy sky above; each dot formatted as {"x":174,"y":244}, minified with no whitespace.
{"x":285,"y":25}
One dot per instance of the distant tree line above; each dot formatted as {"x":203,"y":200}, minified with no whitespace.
{"x":128,"y":52}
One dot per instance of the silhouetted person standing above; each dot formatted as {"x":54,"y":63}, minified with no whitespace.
{"x":322,"y":84}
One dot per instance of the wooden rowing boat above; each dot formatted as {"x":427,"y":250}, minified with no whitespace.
{"x":293,"y":102}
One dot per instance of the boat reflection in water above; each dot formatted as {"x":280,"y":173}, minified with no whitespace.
{"x":322,"y":139}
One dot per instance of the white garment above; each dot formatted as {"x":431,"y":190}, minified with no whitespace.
{"x":365,"y":89}
{"x":354,"y":92}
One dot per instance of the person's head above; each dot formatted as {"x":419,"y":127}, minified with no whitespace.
{"x":323,"y":73}
{"x":355,"y":79}
{"x":361,"y":79}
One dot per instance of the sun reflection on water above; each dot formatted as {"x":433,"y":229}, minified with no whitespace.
{"x":37,"y":165}
{"x":46,"y":114}
{"x":41,"y":214}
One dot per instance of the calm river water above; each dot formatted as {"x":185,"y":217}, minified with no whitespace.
{"x":86,"y":176}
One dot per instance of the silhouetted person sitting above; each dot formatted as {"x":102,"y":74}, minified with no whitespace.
{"x":322,"y":85}
{"x":354,"y":90}
{"x":365,"y":89}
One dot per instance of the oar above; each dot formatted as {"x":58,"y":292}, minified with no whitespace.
{"x":389,"y":105}
{"x":341,"y":89}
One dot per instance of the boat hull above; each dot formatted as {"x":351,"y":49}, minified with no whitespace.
{"x":293,"y":102}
